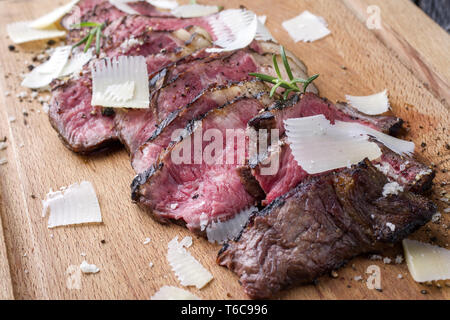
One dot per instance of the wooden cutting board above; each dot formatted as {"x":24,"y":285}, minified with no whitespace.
{"x":409,"y":56}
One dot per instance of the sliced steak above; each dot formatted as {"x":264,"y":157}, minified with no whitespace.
{"x":318,"y":226}
{"x":307,"y":105}
{"x":197,"y":191}
{"x":408,"y":172}
{"x":133,"y":25}
{"x":210,"y":99}
{"x":85,"y":128}
{"x":102,"y":11}
{"x":82,"y":127}
{"x":290,"y":173}
{"x":177,"y":86}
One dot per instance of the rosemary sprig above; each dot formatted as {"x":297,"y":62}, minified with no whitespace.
{"x":96,"y":31}
{"x":290,"y":85}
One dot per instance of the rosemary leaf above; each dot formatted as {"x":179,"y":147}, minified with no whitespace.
{"x":309,"y":81}
{"x":286,"y":93}
{"x":275,"y":65}
{"x":286,"y":64}
{"x":88,"y":42}
{"x":264,"y":77}
{"x":97,"y":40}
{"x":289,"y":86}
{"x":80,"y":42}
{"x":84,"y":25}
{"x":274,"y":88}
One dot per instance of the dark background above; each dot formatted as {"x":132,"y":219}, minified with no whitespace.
{"x":438,"y":10}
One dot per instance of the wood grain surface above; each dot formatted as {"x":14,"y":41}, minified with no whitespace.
{"x":409,"y":57}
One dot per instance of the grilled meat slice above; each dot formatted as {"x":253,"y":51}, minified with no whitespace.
{"x":102,"y":11}
{"x":186,"y":186}
{"x":402,"y":169}
{"x":82,"y":127}
{"x":208,"y":100}
{"x":408,"y":172}
{"x":178,"y":85}
{"x":319,"y":226}
{"x":134,"y":25}
{"x":310,"y":104}
{"x":85,"y":128}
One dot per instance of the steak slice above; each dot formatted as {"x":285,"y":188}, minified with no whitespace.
{"x":200,"y":190}
{"x":307,"y":105}
{"x":289,"y":173}
{"x":210,"y":99}
{"x":318,"y":226}
{"x":133,"y":25}
{"x":178,"y":85}
{"x":102,"y":11}
{"x":85,"y":128}
{"x":408,"y":172}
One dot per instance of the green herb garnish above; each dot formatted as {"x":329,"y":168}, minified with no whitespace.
{"x":96,"y":31}
{"x":291,"y":85}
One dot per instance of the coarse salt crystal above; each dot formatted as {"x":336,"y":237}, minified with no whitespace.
{"x":399,"y":259}
{"x":436,"y":218}
{"x":392,"y":188}
{"x":390,"y":226}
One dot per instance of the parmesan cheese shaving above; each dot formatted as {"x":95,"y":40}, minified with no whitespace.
{"x":221,"y":232}
{"x":122,"y":5}
{"x":76,"y":204}
{"x":306,"y":27}
{"x":121,"y":82}
{"x":262,"y":33}
{"x":20,"y":32}
{"x":42,"y":75}
{"x":52,"y":17}
{"x":88,"y":268}
{"x":194,"y":10}
{"x":187,"y":269}
{"x":173,"y":293}
{"x":234,"y":29}
{"x":426,"y":262}
{"x":120,"y":92}
{"x":262,"y":19}
{"x":371,"y":105}
{"x":76,"y":63}
{"x":314,"y":139}
{"x":164,"y":4}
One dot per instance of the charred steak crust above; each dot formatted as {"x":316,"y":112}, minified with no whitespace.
{"x":250,"y":183}
{"x":318,"y":226}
